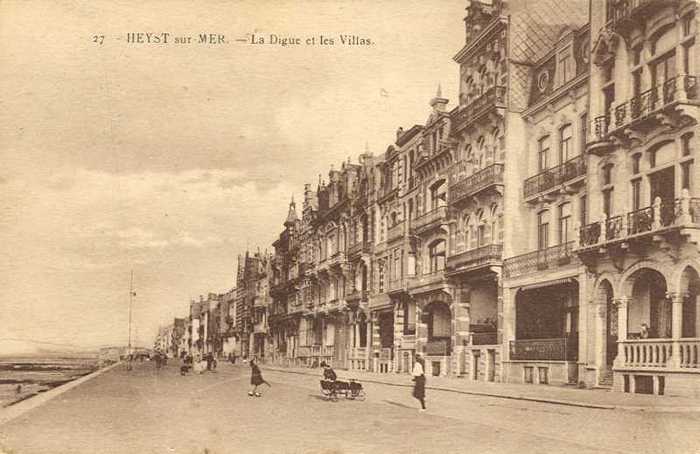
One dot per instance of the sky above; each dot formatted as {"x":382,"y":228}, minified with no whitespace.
{"x":172,"y":159}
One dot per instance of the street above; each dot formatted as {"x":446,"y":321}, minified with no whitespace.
{"x":159,"y":411}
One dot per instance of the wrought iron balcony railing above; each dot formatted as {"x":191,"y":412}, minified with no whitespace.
{"x":462,"y":186}
{"x":551,"y":178}
{"x":539,"y":260}
{"x":678,"y":89}
{"x":623,"y":12}
{"x":660,"y":216}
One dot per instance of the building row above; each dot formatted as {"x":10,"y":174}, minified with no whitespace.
{"x":543,"y":230}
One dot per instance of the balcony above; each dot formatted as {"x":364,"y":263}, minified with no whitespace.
{"x":559,"y":349}
{"x":429,"y":220}
{"x":569,"y":172}
{"x":358,"y":248}
{"x":427,"y":282}
{"x":656,"y":219}
{"x":642,"y":112}
{"x":494,"y":98}
{"x":337,"y":259}
{"x":399,"y":285}
{"x":395,"y":232}
{"x":622,"y":15}
{"x":463,"y":187}
{"x":551,"y":257}
{"x":475,"y":259}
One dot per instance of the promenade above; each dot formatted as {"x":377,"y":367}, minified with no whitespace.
{"x":158,"y":411}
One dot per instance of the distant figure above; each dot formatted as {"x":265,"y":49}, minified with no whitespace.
{"x":256,"y":379}
{"x":328,"y":372}
{"x":330,"y":377}
{"x":186,"y":364}
{"x":644,"y":331}
{"x":19,"y":389}
{"x":419,"y":381}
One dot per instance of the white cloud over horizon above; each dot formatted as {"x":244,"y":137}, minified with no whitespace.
{"x":172,"y":160}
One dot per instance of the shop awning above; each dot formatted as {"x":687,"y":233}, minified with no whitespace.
{"x":562,"y":281}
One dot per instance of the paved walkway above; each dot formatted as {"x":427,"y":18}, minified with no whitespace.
{"x":562,"y":395}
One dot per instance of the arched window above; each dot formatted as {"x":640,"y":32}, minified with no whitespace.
{"x":566,"y":149}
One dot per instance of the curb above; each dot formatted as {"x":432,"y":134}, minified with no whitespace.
{"x":15,"y":410}
{"x":570,"y":403}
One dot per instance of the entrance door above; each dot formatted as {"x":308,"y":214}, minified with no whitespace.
{"x":611,"y":332}
{"x":475,"y":368}
{"x":662,"y":185}
{"x":492,"y":365}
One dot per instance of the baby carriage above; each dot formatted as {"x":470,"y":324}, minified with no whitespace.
{"x":351,"y":389}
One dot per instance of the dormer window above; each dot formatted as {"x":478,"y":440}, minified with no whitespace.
{"x":565,"y":68}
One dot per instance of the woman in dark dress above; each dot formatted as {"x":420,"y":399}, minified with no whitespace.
{"x":419,"y":381}
{"x":256,"y":379}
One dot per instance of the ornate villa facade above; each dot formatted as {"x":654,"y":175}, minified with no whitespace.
{"x":543,"y":230}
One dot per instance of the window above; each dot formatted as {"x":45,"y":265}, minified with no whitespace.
{"x":565,"y":70}
{"x":688,"y":24}
{"x":607,"y":202}
{"x":543,"y":154}
{"x":583,"y":215}
{"x":437,"y":256}
{"x":635,"y":163}
{"x":397,"y":264}
{"x":381,"y":276}
{"x":686,"y":172}
{"x":543,"y":230}
{"x":564,"y":223}
{"x":409,"y":317}
{"x":607,"y":174}
{"x":663,"y":70}
{"x":565,"y":147}
{"x":685,"y":144}
{"x":637,"y":55}
{"x":636,"y":194}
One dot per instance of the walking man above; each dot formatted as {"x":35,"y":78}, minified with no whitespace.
{"x":419,"y":381}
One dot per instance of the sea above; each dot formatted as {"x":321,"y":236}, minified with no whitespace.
{"x":22,"y":377}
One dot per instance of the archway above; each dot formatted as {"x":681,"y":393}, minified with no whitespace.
{"x":649,"y":310}
{"x":690,"y":289}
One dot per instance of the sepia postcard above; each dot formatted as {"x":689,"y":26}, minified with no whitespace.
{"x":349,"y":226}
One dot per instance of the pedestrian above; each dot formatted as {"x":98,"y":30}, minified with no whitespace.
{"x":256,"y":379}
{"x":419,"y":381}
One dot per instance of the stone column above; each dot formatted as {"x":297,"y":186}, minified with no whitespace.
{"x":421,"y":330}
{"x":621,"y":304}
{"x":462,"y":320}
{"x":676,"y":327}
{"x":375,"y":342}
